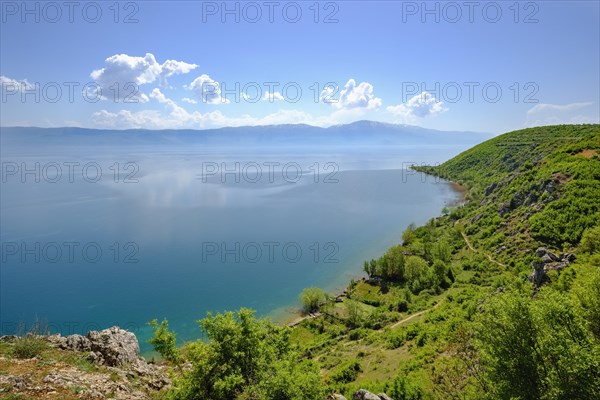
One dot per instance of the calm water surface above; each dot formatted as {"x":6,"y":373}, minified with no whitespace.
{"x":173,"y":234}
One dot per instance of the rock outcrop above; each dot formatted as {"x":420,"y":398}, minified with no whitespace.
{"x":75,"y":343}
{"x":120,"y":372}
{"x":548,"y":262}
{"x":336,"y":396}
{"x":490,"y":189}
{"x":363,"y":394}
{"x":113,"y":347}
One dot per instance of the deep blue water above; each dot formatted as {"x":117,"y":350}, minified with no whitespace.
{"x":162,"y":234}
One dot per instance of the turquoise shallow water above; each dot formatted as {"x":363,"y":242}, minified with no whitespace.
{"x":162,"y":234}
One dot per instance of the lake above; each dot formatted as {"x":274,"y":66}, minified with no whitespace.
{"x":95,"y":237}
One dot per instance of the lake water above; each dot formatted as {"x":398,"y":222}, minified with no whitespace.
{"x":98,"y":237}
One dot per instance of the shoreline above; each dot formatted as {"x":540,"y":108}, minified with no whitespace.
{"x":290,"y":316}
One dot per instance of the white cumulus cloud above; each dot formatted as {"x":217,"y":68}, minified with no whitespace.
{"x":272,"y":97}
{"x":207,"y":90}
{"x":351,"y":96}
{"x":176,"y":117}
{"x":10,"y":85}
{"x":122,"y":75}
{"x":419,"y":106}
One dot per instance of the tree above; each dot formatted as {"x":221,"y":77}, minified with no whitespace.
{"x":590,"y":241}
{"x":246,"y":358}
{"x":312,"y":298}
{"x":408,"y":235}
{"x":393,"y":264}
{"x":403,"y":389}
{"x":540,"y":347}
{"x":164,"y":342}
{"x":370,"y":268}
{"x":373,"y":267}
{"x":509,"y":347}
{"x":587,"y":293}
{"x":355,"y":313}
{"x":417,"y":273}
{"x":440,"y":274}
{"x":441,"y":251}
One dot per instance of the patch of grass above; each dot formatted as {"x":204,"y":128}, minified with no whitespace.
{"x":77,"y":360}
{"x":76,"y":389}
{"x":347,"y":372}
{"x":18,"y":396}
{"x":28,"y":346}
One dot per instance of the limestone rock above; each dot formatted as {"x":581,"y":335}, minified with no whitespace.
{"x":549,"y":261}
{"x":336,"y":396}
{"x":543,"y":252}
{"x":76,"y":343}
{"x":362,"y":394}
{"x":117,"y":346}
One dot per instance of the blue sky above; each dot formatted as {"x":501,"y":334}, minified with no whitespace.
{"x":481,"y":66}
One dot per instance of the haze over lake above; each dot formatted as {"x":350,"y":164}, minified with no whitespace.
{"x":102,"y":236}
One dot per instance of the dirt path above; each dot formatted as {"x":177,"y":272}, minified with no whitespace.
{"x":300,"y":319}
{"x":468,"y":242}
{"x":474,"y":250}
{"x":415,"y":315}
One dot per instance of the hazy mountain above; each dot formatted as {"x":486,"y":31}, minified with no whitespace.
{"x":357,"y":133}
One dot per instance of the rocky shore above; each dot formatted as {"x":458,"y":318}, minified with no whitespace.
{"x":100,"y":365}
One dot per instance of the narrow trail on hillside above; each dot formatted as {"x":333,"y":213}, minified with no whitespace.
{"x":474,"y":250}
{"x":468,"y":242}
{"x":298,"y":320}
{"x":415,"y":315}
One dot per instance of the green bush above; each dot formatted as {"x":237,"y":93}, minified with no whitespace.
{"x":312,"y":298}
{"x":246,"y":358}
{"x":395,"y":339}
{"x":29,"y":346}
{"x":347,"y":372}
{"x":590,"y":241}
{"x":164,"y":342}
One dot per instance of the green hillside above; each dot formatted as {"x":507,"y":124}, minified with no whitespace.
{"x":547,"y":178}
{"x":470,"y":271}
{"x":496,"y":298}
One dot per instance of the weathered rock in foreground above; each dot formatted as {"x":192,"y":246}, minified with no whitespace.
{"x":549,"y":262}
{"x":120,"y":372}
{"x":114,"y":346}
{"x":336,"y":396}
{"x":363,"y":394}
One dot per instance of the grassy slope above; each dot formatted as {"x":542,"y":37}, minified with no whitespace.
{"x":529,"y":188}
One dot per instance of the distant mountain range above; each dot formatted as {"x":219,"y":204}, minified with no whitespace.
{"x":356,"y":133}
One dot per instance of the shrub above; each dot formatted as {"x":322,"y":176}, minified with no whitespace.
{"x":590,"y":242}
{"x":246,"y":358}
{"x":395,"y":339}
{"x":312,"y":298}
{"x":164,"y":342}
{"x":29,"y":346}
{"x":347,"y":372}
